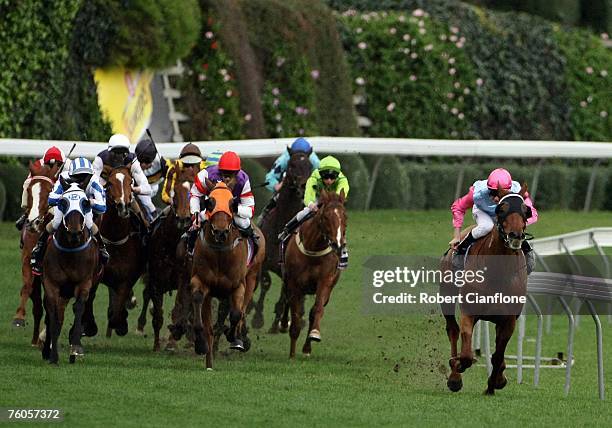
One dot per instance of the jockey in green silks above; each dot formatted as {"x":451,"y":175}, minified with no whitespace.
{"x":328,"y":176}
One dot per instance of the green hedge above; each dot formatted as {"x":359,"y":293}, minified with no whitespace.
{"x":2,"y":200}
{"x":358,"y":174}
{"x":392,"y":184}
{"x":418,"y":180}
{"x":257,"y":176}
{"x":12,"y":175}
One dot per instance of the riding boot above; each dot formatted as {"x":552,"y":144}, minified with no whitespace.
{"x":104,"y":256}
{"x":344,"y":257}
{"x":290,"y":227}
{"x":530,"y":257}
{"x":192,"y":237}
{"x":38,"y":253}
{"x":461,"y":250}
{"x":20,"y":222}
{"x":248,"y":232}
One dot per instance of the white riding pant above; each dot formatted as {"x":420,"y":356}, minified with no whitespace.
{"x":484,"y":223}
{"x":301,"y":214}
{"x":148,"y":205}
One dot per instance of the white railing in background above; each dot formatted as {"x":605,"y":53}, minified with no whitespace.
{"x":379,"y":146}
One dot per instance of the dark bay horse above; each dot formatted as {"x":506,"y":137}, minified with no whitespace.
{"x":502,"y":264}
{"x":290,"y":201}
{"x":70,"y":267}
{"x":166,"y":263}
{"x":119,"y":231}
{"x":220,"y":270}
{"x":311,"y":266}
{"x":39,"y":187}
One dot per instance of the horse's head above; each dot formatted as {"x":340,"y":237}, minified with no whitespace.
{"x":298,"y":171}
{"x":119,"y":189}
{"x":332,"y":219}
{"x":219,"y":210}
{"x":74,"y":206}
{"x":512,"y":214}
{"x":185,"y":176}
{"x":39,"y":188}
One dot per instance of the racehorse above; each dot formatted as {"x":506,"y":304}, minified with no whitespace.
{"x":127,"y":253}
{"x":311,"y":266}
{"x":220,"y":267}
{"x":39,"y":187}
{"x":499,"y":256}
{"x":290,"y":201}
{"x":70,"y":270}
{"x":165,"y":262}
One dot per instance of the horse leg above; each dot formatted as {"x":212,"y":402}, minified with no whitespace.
{"x":158,"y":317}
{"x":37,"y":310}
{"x":454,"y":383}
{"x":198,"y":293}
{"x":294,"y":330}
{"x":207,"y":308}
{"x":321,"y":299}
{"x":90,"y":328}
{"x":466,"y":357}
{"x":307,"y":348}
{"x":49,"y":319}
{"x":223,"y":310}
{"x":119,"y":317}
{"x":142,"y":319}
{"x":24,"y":294}
{"x":78,"y":308}
{"x":109,"y":312}
{"x":503,"y":333}
{"x":237,"y":318}
{"x":266,"y":281}
{"x":179,"y":314}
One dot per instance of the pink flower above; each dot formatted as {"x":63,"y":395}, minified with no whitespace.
{"x":453,"y":38}
{"x":589,"y":70}
{"x":603,"y":73}
{"x":413,"y":78}
{"x":443,"y":37}
{"x":450,"y":95}
{"x":275,"y":102}
{"x":454,"y":30}
{"x":280,"y":61}
{"x":414,"y":55}
{"x":406,"y":37}
{"x":209,"y":34}
{"x":421,"y":23}
{"x":362,"y":45}
{"x":201,"y":77}
{"x":428,"y":48}
{"x":466,"y":91}
{"x":301,"y":131}
{"x":278,"y":117}
{"x":360,"y":81}
{"x":299,"y":110}
{"x":392,"y":30}
{"x":401,"y":18}
{"x":459,"y":45}
{"x":220,"y":111}
{"x":461,"y":116}
{"x":390,"y":107}
{"x":603,"y":113}
{"x":248,"y":117}
{"x":358,"y":30}
{"x":479,"y":81}
{"x":457,"y":85}
{"x":314,"y":74}
{"x":422,"y":31}
{"x":451,"y":61}
{"x":275,"y":91}
{"x":452,"y":71}
{"x":583,"y":104}
{"x":227,"y":78}
{"x":605,"y":36}
{"x":418,"y":13}
{"x":228,"y":93}
{"x":454,"y":110}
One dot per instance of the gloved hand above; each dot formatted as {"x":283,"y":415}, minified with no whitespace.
{"x":136,"y":190}
{"x":195,"y":220}
{"x":313,"y":207}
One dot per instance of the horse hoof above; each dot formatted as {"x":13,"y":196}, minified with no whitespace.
{"x":502,"y":384}
{"x":209,"y":369}
{"x":258,"y":320}
{"x":314,"y":335}
{"x":72,"y":359}
{"x":237,"y":345}
{"x":489,"y":392}
{"x":455,"y":385}
{"x":274,"y":329}
{"x":18,"y":322}
{"x":132,"y":303}
{"x":140,"y":332}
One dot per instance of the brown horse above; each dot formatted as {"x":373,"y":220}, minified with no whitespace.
{"x":69,"y":271}
{"x":311,"y":266}
{"x":499,"y":256}
{"x":165,"y":262}
{"x":290,"y":201}
{"x":220,"y":270}
{"x":119,"y":230}
{"x":39,"y":187}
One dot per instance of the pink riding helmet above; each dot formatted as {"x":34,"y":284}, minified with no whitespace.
{"x":500,"y":177}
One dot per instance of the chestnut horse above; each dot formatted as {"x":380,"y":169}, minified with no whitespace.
{"x":290,"y":201}
{"x":118,"y":228}
{"x":220,"y":270}
{"x":311,"y":266}
{"x":499,"y":256}
{"x":165,"y":262}
{"x":69,"y":271}
{"x":39,"y":187}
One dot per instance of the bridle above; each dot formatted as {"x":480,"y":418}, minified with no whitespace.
{"x":512,"y":240}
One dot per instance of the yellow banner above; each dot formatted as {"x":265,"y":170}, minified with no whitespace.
{"x":125,"y":99}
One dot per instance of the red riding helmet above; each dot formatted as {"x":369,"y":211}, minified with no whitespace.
{"x":229,"y":161}
{"x":53,"y":155}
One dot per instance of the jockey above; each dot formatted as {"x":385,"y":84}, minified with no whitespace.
{"x":274,"y":177}
{"x":190,"y":157}
{"x":52,"y":157}
{"x":228,"y":170}
{"x":483,"y":199}
{"x":153,"y":166}
{"x":118,"y":154}
{"x":328,"y":176}
{"x":81,"y":172}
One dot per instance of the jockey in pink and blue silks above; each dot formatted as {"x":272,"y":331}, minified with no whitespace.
{"x":483,"y":198}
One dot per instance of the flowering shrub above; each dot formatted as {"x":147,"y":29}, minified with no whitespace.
{"x":412,"y":73}
{"x":210,"y":93}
